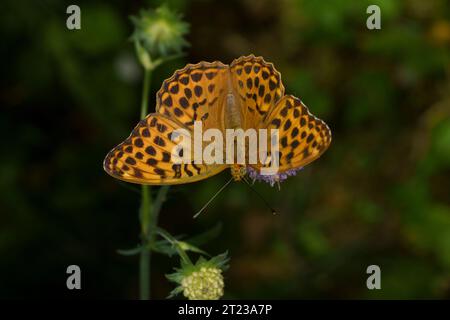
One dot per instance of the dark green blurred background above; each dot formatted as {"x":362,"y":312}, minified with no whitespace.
{"x":379,"y":195}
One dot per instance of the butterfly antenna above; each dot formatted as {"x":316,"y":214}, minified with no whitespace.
{"x":260,"y":196}
{"x":213,"y":197}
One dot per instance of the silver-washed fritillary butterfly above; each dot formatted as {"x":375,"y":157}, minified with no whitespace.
{"x":199,"y":92}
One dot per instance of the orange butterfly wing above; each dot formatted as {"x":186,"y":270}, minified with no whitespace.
{"x":189,"y":95}
{"x":258,"y":86}
{"x":302,"y":136}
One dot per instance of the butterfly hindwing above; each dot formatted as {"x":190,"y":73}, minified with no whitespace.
{"x":302,"y":137}
{"x":145,"y":157}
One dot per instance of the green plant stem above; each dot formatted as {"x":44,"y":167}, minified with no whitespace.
{"x":145,"y":211}
{"x":148,"y":213}
{"x":150,"y":232}
{"x":183,"y":255}
{"x":145,"y":89}
{"x":144,"y":264}
{"x":160,"y":198}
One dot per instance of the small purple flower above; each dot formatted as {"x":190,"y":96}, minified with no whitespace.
{"x":271,"y":179}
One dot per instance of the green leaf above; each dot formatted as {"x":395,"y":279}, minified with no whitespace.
{"x":174,"y":292}
{"x":188,"y":247}
{"x":172,"y":244}
{"x":175,"y":277}
{"x":221,"y":260}
{"x":164,"y":247}
{"x":166,"y":235}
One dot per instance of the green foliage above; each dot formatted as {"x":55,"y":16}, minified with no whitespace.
{"x":441,"y":142}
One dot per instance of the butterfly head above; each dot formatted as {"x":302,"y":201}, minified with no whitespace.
{"x":238,"y":172}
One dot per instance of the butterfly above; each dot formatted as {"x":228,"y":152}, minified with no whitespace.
{"x":246,"y":94}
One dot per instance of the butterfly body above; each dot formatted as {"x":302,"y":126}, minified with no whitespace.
{"x":247,"y":94}
{"x":232,"y":113}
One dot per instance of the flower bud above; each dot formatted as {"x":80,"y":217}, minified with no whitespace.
{"x":202,"y":280}
{"x":160,"y":32}
{"x":205,"y":284}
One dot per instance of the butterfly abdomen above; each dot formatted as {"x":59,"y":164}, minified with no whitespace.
{"x":233,"y":121}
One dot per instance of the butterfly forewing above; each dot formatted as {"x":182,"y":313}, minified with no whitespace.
{"x":258,"y":86}
{"x":194,"y":93}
